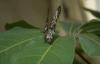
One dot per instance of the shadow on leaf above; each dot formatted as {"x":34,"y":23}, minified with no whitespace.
{"x":21,"y":23}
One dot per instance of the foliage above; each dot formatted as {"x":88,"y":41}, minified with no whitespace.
{"x":95,"y":13}
{"x":22,"y":45}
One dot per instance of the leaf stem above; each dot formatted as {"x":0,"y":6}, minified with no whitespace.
{"x":83,"y":57}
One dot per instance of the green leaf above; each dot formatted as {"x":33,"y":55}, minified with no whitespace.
{"x":90,"y":44}
{"x":93,"y":12}
{"x":21,"y":23}
{"x":27,"y":46}
{"x":71,"y":27}
{"x":92,"y":26}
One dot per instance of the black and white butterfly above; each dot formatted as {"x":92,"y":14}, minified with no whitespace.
{"x":49,"y":30}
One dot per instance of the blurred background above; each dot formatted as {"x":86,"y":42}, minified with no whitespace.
{"x":92,"y":4}
{"x":35,"y":11}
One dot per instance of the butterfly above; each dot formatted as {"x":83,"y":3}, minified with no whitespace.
{"x":49,"y":30}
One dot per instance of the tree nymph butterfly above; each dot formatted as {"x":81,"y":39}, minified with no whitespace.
{"x":49,"y":30}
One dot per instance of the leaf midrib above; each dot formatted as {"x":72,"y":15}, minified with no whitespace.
{"x":44,"y":54}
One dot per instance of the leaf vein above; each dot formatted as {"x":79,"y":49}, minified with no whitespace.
{"x":8,"y":48}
